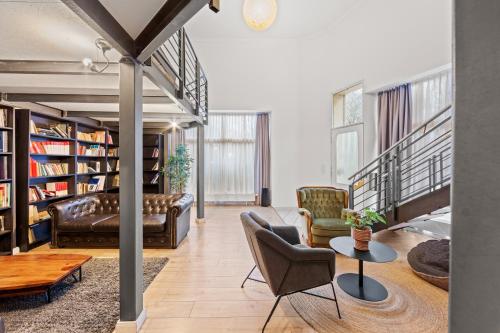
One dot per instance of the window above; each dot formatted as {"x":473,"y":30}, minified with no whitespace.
{"x":229,"y":157}
{"x":347,"y":133}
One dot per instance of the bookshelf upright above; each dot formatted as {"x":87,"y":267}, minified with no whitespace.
{"x":153,"y":161}
{"x":7,"y":181}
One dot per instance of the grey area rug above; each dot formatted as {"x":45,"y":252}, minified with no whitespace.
{"x":90,"y":306}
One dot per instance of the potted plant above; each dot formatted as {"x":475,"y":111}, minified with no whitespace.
{"x":178,"y":169}
{"x":361,"y":226}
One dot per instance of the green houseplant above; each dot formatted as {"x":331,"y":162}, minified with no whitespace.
{"x":361,"y":226}
{"x":178,"y":169}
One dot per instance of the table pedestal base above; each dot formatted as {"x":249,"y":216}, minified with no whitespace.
{"x":370,"y":290}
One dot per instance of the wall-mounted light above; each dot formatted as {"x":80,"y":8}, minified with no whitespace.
{"x":104,"y":47}
{"x":259,"y":14}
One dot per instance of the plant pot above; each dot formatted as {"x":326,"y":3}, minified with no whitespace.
{"x":361,"y":238}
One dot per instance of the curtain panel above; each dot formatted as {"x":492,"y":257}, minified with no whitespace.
{"x":394,"y":114}
{"x":262,"y":155}
{"x":229,"y":157}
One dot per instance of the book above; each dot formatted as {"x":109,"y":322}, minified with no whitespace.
{"x":97,"y":136}
{"x":32,"y":214}
{"x":56,"y":189}
{"x":113,"y":152}
{"x":94,"y":184}
{"x":4,"y":142}
{"x":156,"y":152}
{"x":156,"y":166}
{"x":4,"y":195}
{"x":91,"y":150}
{"x":4,"y":118}
{"x":2,"y":223}
{"x":116,"y":181}
{"x":154,"y":180}
{"x":60,"y":130}
{"x":4,"y":167}
{"x":89,"y":167}
{"x":47,"y":169}
{"x":50,"y":147}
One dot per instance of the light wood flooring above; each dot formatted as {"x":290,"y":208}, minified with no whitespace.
{"x":199,"y":289}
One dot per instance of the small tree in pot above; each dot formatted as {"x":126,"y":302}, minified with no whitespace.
{"x":361,"y":226}
{"x":178,"y":169}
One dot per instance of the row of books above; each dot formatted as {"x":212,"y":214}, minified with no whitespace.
{"x":4,"y":118}
{"x":34,"y":216}
{"x":4,"y":168}
{"x":4,"y":141}
{"x":89,"y":167}
{"x":117,"y":166}
{"x":94,"y":184}
{"x":60,"y":130}
{"x":113,"y":152}
{"x":51,"y":190}
{"x":92,"y":150}
{"x":116,"y":181}
{"x":38,"y":169}
{"x":50,"y":147}
{"x":4,"y":195}
{"x":156,"y":152}
{"x":97,"y":136}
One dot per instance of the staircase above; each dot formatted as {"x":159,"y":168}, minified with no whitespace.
{"x":410,"y":179}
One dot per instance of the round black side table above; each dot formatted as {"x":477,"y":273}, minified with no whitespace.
{"x":358,"y":285}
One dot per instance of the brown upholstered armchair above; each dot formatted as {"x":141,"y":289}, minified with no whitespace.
{"x":288,"y":269}
{"x":323,"y":207}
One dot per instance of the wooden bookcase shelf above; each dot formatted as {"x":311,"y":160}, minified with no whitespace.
{"x":7,"y":181}
{"x":152,"y":142}
{"x":36,"y":233}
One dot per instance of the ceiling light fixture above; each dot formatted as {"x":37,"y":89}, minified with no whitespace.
{"x":104,"y":47}
{"x":259,"y":14}
{"x":174,"y":124}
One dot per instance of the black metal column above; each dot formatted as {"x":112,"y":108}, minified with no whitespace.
{"x":200,"y":173}
{"x":131,"y":272}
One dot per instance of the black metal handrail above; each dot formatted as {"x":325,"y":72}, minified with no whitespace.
{"x":418,"y":164}
{"x":178,"y":58}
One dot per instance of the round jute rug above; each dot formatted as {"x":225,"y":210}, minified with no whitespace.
{"x":413,"y":305}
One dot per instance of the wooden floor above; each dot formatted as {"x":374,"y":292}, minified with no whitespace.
{"x":199,"y":289}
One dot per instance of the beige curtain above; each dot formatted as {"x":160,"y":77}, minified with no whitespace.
{"x":175,"y":137}
{"x":394,"y":116}
{"x":262,"y":155}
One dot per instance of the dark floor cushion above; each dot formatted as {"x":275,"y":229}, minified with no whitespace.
{"x":83,"y":224}
{"x":152,"y":223}
{"x":430,"y":260}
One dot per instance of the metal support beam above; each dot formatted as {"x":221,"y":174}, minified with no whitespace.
{"x":98,"y":18}
{"x":131,"y":166}
{"x":200,"y":174}
{"x":77,"y":98}
{"x":170,"y":18}
{"x":54,"y":68}
{"x":110,"y":114}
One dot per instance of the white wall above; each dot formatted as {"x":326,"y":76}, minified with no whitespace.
{"x":256,"y":74}
{"x":377,"y":42}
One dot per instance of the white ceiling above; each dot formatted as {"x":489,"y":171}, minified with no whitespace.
{"x":296,"y":18}
{"x":133,"y":15}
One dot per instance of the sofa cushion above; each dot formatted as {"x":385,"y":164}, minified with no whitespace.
{"x":152,"y":223}
{"x":83,"y":224}
{"x":330,"y":227}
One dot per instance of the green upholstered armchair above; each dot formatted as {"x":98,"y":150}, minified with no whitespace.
{"x":324,"y":209}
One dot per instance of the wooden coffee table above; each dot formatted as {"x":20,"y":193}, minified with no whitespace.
{"x":37,"y":273}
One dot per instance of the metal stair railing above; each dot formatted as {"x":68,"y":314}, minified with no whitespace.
{"x":415,"y":166}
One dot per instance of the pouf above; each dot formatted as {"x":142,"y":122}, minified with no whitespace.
{"x":430,"y":260}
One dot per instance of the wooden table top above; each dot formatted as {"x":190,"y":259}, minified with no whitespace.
{"x":37,"y":270}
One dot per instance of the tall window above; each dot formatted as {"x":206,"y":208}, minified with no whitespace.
{"x":347,"y":134}
{"x":229,"y":157}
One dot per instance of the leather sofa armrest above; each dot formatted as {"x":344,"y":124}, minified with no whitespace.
{"x":289,"y":233}
{"x":179,"y":206}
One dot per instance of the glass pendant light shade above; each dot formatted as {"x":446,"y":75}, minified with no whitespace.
{"x":259,"y":14}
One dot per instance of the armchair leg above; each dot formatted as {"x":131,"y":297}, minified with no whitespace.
{"x":243,"y":284}
{"x":336,"y":300}
{"x":271,"y":314}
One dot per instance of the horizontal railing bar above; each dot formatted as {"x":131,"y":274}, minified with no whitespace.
{"x":438,"y":141}
{"x":387,"y":151}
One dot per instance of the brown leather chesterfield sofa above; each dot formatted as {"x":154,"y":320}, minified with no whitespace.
{"x":93,"y":221}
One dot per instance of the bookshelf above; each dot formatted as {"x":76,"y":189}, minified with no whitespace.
{"x":7,"y":181}
{"x":153,"y":160}
{"x":57,"y":158}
